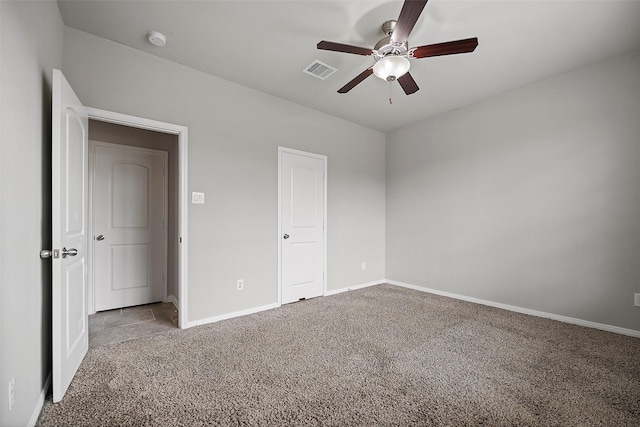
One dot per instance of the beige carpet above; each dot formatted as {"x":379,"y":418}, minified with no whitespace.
{"x":378,"y":356}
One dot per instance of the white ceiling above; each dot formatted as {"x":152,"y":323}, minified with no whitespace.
{"x":266,"y":44}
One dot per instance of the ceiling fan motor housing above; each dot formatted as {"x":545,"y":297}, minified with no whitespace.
{"x":385,"y":46}
{"x":389,"y":26}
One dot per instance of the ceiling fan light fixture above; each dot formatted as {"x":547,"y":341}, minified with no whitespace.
{"x":391,"y":67}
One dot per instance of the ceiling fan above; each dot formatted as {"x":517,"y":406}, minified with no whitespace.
{"x":392,"y":53}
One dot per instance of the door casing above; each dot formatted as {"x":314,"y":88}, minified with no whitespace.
{"x":183,"y":164}
{"x":279,"y":236}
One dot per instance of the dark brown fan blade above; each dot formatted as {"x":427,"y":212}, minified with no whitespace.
{"x":411,"y":10}
{"x":446,"y":48}
{"x":346,"y":48}
{"x":359,"y":78}
{"x":408,"y":84}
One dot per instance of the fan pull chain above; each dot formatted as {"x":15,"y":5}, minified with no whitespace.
{"x":390,"y":100}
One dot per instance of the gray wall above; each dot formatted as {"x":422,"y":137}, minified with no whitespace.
{"x":134,"y":137}
{"x":530,"y":199}
{"x":31,"y":46}
{"x":234,"y":133}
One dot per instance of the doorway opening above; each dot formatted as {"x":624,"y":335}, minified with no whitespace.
{"x":143,"y":136}
{"x":133,"y":214}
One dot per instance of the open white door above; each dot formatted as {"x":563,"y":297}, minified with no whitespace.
{"x":69,"y":224}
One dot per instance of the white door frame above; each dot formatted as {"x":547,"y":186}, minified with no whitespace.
{"x":324,"y":255}
{"x":93,"y":145}
{"x":183,"y":166}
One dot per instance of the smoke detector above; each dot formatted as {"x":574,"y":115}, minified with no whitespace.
{"x":156,"y":38}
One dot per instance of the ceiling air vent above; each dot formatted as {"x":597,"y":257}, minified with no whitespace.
{"x":319,"y":69}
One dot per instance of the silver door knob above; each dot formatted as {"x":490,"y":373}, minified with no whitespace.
{"x":285,"y":237}
{"x":46,"y":253}
{"x":100,"y":238}
{"x":70,"y":252}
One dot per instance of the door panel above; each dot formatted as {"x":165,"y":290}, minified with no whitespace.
{"x":70,"y":337}
{"x":302,"y":210}
{"x":76,"y":323}
{"x":124,"y":261}
{"x":130,"y":210}
{"x":303,"y":197}
{"x":75,"y":143}
{"x":304,"y":263}
{"x":130,"y":196}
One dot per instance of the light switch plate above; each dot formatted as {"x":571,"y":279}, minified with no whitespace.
{"x":197,"y":198}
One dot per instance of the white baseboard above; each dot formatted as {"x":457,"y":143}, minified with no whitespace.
{"x":173,"y":300}
{"x":264,"y":307}
{"x":354,"y":287}
{"x":558,"y":317}
{"x":232,"y":315}
{"x":40,"y":403}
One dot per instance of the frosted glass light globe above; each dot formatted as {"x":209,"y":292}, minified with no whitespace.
{"x":391,"y":67}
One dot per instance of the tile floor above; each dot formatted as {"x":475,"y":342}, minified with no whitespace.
{"x":122,"y":324}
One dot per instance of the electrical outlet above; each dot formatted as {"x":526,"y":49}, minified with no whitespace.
{"x":12,"y":394}
{"x":636,"y":300}
{"x":240,"y":284}
{"x":364,"y":266}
